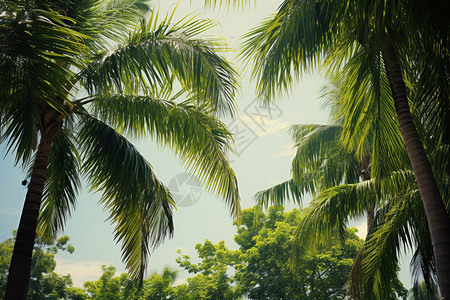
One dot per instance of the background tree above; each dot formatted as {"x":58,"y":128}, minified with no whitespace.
{"x":260,"y":269}
{"x":50,"y":52}
{"x":262,"y":266}
{"x":266,"y":251}
{"x":324,"y":167}
{"x":160,"y":286}
{"x":365,"y":42}
{"x":44,"y":283}
{"x":214,"y":278}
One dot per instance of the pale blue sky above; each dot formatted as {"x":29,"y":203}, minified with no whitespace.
{"x":263,"y":145}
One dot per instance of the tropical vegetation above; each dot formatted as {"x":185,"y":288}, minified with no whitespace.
{"x":78,"y":78}
{"x":383,"y":54}
{"x":324,"y":167}
{"x":258,"y":269}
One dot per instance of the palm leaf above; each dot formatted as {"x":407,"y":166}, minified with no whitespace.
{"x":330,"y":212}
{"x":280,"y":194}
{"x":157,"y":51}
{"x":292,"y":40}
{"x":105,"y":21}
{"x":319,"y":164}
{"x":199,"y":139}
{"x":138,"y":203}
{"x":35,"y":44}
{"x":61,"y":186}
{"x":368,"y":115}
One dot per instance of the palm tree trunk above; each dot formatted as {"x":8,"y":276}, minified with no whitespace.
{"x":20,"y":268}
{"x":437,"y":216}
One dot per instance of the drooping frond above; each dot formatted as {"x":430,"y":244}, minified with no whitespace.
{"x":420,"y":266}
{"x":332,"y":209}
{"x":319,"y":163}
{"x":199,"y":139}
{"x":35,"y":44}
{"x":61,"y":186}
{"x":365,"y":108}
{"x":329,"y":213}
{"x":320,"y":152}
{"x":155,"y":52}
{"x":430,"y":92}
{"x":280,"y":194}
{"x":441,"y":168}
{"x":18,"y":124}
{"x":105,"y":21}
{"x":291,"y":41}
{"x":138,"y":203}
{"x":396,"y":230}
{"x":227,"y":3}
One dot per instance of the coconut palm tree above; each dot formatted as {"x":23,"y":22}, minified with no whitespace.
{"x":128,"y":67}
{"x":322,"y":167}
{"x":395,"y":217}
{"x":359,"y":40}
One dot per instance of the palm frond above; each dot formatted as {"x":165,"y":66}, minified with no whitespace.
{"x":227,"y":3}
{"x":430,"y":91}
{"x":199,"y":139}
{"x":138,"y":203}
{"x":366,"y":110}
{"x":441,"y":168}
{"x":155,"y":52}
{"x":61,"y":186}
{"x":329,"y":213}
{"x":395,"y":231}
{"x":320,"y":151}
{"x":423,"y":270}
{"x":280,"y":194}
{"x":289,"y":42}
{"x":320,"y":163}
{"x":105,"y":21}
{"x":19,"y":126}
{"x":35,"y":44}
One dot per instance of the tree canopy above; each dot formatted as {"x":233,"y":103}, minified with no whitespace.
{"x":78,"y":78}
{"x":260,"y":268}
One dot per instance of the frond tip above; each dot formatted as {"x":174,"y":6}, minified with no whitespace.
{"x":139,"y":204}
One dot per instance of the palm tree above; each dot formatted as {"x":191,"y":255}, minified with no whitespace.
{"x":50,"y":52}
{"x":323,"y":168}
{"x":363,"y":40}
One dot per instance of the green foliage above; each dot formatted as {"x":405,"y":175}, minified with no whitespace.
{"x":348,"y":39}
{"x":420,"y":292}
{"x":268,"y":273}
{"x":129,"y":63}
{"x":260,"y":269}
{"x":44,"y":282}
{"x":213,"y":279}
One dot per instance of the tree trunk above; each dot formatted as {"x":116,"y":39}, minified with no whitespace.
{"x":437,"y":216}
{"x":20,"y":268}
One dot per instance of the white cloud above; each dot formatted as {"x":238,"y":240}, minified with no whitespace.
{"x":362,"y":230}
{"x":9,"y":212}
{"x":286,"y":151}
{"x":80,"y":271}
{"x":264,"y":126}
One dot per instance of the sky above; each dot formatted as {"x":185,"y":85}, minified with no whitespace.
{"x":262,"y":159}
